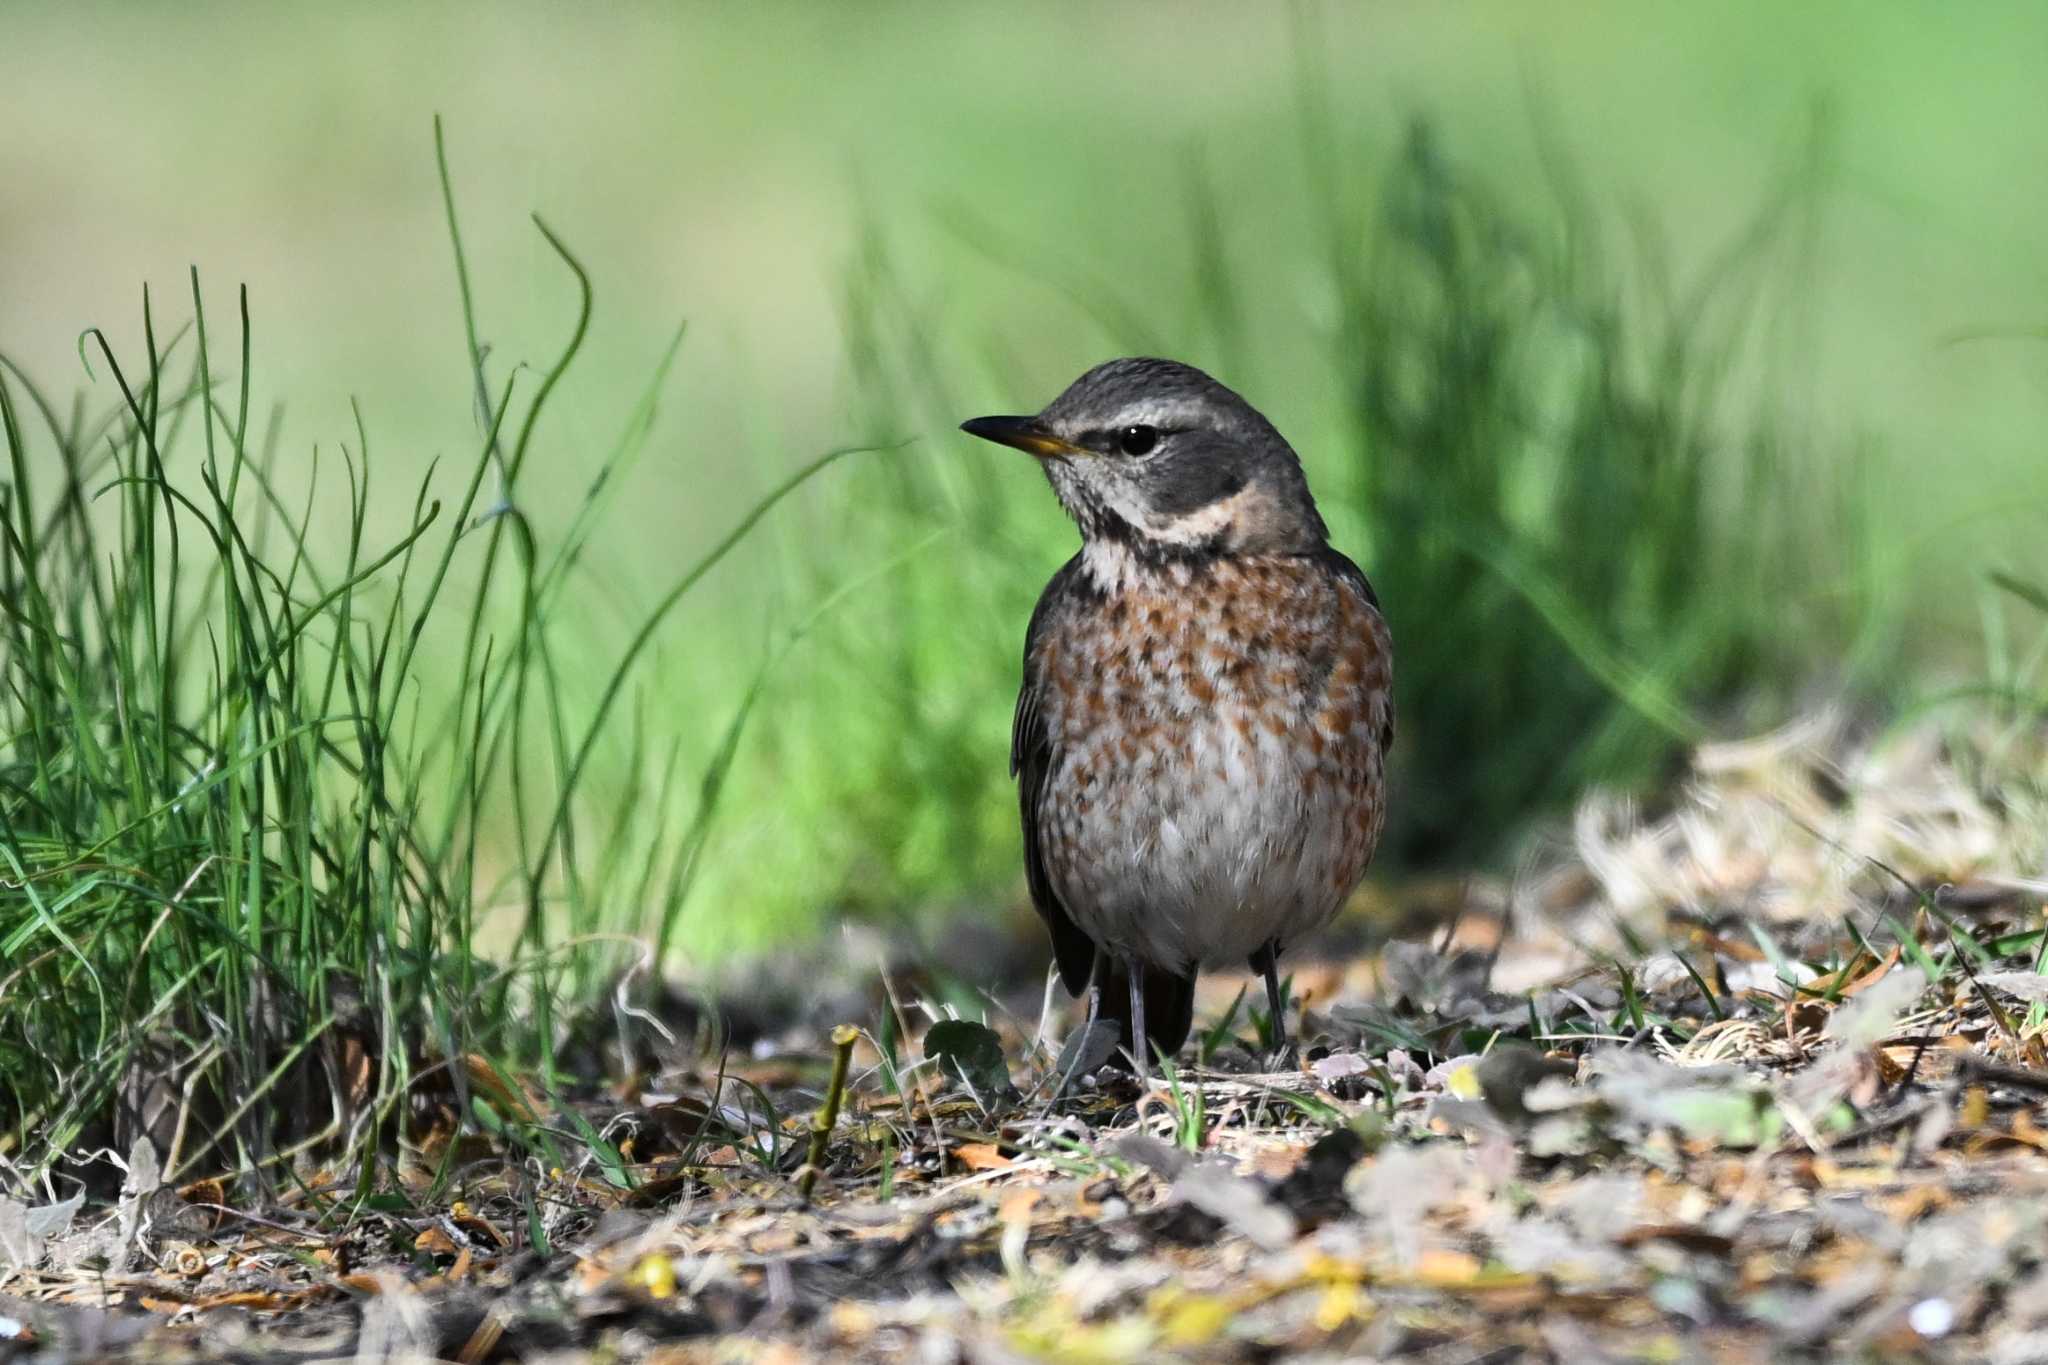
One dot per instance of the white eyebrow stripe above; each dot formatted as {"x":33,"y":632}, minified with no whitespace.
{"x":1159,"y":412}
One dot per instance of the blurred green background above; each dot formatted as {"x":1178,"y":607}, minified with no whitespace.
{"x":1669,"y":367}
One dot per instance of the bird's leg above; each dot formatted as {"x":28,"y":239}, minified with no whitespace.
{"x":1098,"y":971}
{"x":1140,"y":1045}
{"x":1267,"y":960}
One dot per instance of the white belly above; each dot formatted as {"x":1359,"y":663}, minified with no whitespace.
{"x":1205,"y":863}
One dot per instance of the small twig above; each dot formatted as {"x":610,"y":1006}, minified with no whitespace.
{"x":1457,"y":913}
{"x":1500,"y":938}
{"x":916,"y":1092}
{"x":1907,"y":1112}
{"x":1898,"y":1087}
{"x":1981,"y":1068}
{"x":827,"y":1117}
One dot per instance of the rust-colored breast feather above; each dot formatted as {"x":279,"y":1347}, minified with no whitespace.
{"x":1211,"y":745}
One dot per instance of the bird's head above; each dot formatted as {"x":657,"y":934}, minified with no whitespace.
{"x":1158,"y":454}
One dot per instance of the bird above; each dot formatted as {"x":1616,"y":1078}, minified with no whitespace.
{"x":1201,"y":737}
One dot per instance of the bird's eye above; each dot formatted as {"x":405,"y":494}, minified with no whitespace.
{"x":1137,"y":440}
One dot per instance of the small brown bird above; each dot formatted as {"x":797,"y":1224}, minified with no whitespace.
{"x":1202,"y":734}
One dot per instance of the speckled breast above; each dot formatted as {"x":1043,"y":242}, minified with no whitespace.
{"x":1217,"y":732}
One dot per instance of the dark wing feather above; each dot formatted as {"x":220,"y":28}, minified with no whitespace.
{"x":1337,"y":562}
{"x":1031,"y":760}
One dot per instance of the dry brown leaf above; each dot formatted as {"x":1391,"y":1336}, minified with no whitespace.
{"x":261,"y":1301}
{"x":1443,"y":1269}
{"x":481,"y":1341}
{"x":435,"y":1241}
{"x":210,"y":1196}
{"x":1831,"y":1176}
{"x":499,"y":1089}
{"x":981,"y":1156}
{"x":1913,"y":1204}
{"x":476,"y":1226}
{"x":1676,"y":1234}
{"x":1728,"y":947}
{"x":1874,"y":975}
{"x":2025,"y":1130}
{"x":1018,"y":1203}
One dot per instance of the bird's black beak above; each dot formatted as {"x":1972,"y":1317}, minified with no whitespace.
{"x":1027,"y":434}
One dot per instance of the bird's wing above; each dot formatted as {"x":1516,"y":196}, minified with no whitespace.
{"x":1340,"y":564}
{"x":1032,"y":759}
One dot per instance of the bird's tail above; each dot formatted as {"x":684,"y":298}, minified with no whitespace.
{"x":1169,"y":1009}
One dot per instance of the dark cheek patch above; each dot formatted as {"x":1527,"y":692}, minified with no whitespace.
{"x":1189,"y":482}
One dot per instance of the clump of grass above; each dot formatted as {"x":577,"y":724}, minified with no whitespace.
{"x":247,"y":846}
{"x":1598,"y":539}
{"x":213,"y":839}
